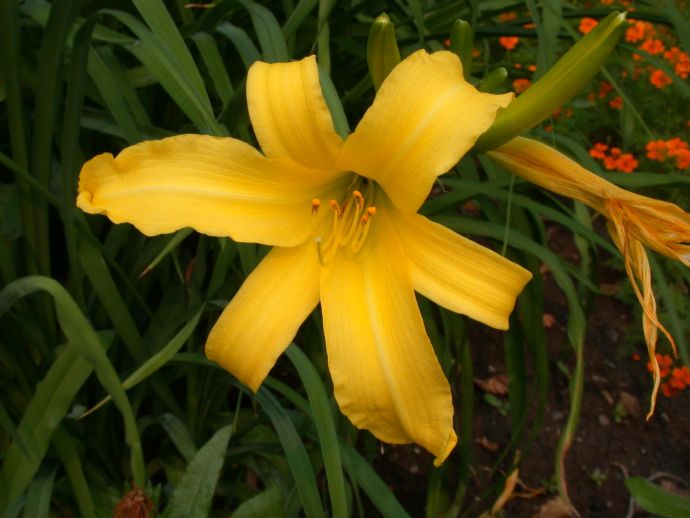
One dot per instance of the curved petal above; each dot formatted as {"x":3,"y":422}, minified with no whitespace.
{"x":263,"y":318}
{"x":218,"y":186}
{"x":385,"y":373}
{"x":459,"y":274}
{"x":424,"y":119}
{"x":289,"y":114}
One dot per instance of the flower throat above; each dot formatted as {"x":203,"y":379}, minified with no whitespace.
{"x":351,"y":220}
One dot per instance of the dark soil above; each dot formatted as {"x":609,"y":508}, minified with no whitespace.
{"x":613,"y":437}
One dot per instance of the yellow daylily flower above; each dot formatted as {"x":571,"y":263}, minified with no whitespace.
{"x":633,"y":221}
{"x":341,"y":216}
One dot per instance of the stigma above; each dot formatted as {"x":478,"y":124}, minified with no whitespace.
{"x":351,"y":220}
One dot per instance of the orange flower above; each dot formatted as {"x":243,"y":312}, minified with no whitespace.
{"x":638,"y":31}
{"x":656,"y":150}
{"x":679,"y":377}
{"x":659,"y":79}
{"x":507,"y":16}
{"x":664,"y":361}
{"x":679,"y":150}
{"x":676,"y":145}
{"x":605,"y":88}
{"x":532,"y":68}
{"x":680,"y":60}
{"x":599,"y":150}
{"x":562,"y":112}
{"x":610,"y":161}
{"x":684,"y":372}
{"x":667,"y":390}
{"x":652,"y":47}
{"x":683,"y":160}
{"x":521,"y":84}
{"x":508,"y":42}
{"x":587,"y":24}
{"x":626,"y":163}
{"x":616,"y":103}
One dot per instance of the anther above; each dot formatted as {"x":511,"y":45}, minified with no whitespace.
{"x":359,"y":199}
{"x":335,"y":207}
{"x":368,"y":214}
{"x":315,"y":204}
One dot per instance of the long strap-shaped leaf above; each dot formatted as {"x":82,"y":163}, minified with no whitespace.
{"x":47,"y":407}
{"x":84,"y":339}
{"x":295,"y":454}
{"x":325,"y":427}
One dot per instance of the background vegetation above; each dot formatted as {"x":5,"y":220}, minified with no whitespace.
{"x":104,"y":385}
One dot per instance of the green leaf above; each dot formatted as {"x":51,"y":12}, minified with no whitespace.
{"x":193,"y":495}
{"x":39,"y":495}
{"x":268,"y":502}
{"x":656,"y":500}
{"x":180,"y":436}
{"x":325,"y":427}
{"x":163,"y":26}
{"x":295,"y":454}
{"x":82,"y":337}
{"x":49,"y":404}
{"x":244,"y":45}
{"x":271,"y":39}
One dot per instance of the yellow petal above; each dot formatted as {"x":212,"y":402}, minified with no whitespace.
{"x":263,"y":318}
{"x":424,"y":119}
{"x":459,"y":274}
{"x":385,"y":373}
{"x":289,"y":114}
{"x":218,"y":186}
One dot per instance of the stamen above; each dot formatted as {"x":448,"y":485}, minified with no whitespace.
{"x":368,"y":214}
{"x":359,"y":199}
{"x":358,"y":241}
{"x":351,"y":221}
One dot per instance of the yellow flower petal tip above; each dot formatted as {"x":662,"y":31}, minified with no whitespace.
{"x":88,"y":179}
{"x":446,"y":450}
{"x":341,"y":217}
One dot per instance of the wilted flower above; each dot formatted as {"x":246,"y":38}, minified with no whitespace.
{"x":634,"y":221}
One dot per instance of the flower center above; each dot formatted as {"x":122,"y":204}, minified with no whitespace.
{"x":351,"y":220}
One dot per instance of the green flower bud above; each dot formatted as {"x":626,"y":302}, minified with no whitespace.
{"x":461,"y":39}
{"x":382,"y":49}
{"x":562,"y":82}
{"x":493,"y":80}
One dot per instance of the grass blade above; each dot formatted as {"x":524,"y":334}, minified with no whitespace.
{"x":295,"y":454}
{"x":325,"y":427}
{"x":39,"y":495}
{"x":47,"y":407}
{"x":83,"y":338}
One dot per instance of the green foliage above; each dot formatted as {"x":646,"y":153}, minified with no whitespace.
{"x":656,"y":500}
{"x":93,"y":314}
